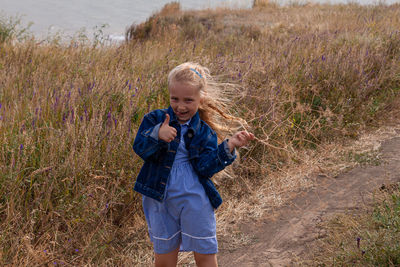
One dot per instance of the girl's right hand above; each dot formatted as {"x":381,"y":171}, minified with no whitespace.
{"x":166,"y":132}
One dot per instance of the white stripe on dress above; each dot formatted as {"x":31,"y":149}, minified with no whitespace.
{"x":166,"y":239}
{"x":198,"y":237}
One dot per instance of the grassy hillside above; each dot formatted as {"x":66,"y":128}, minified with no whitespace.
{"x":306,"y":75}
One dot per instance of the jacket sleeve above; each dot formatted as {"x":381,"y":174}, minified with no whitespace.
{"x":212,"y":158}
{"x":146,"y":144}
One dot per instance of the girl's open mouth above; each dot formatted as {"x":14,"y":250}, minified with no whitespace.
{"x":181,"y":113}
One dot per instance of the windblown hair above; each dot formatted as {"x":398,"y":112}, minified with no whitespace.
{"x":213,"y":108}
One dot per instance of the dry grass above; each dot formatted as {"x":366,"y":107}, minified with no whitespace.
{"x":310,"y":76}
{"x":261,"y":3}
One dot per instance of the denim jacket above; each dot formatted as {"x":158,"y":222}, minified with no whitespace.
{"x":205,"y":155}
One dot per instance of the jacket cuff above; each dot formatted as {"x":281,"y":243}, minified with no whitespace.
{"x":154,"y":132}
{"x":154,"y":135}
{"x":227,"y":150}
{"x":225,"y":155}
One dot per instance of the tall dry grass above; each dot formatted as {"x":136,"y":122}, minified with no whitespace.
{"x":69,"y":114}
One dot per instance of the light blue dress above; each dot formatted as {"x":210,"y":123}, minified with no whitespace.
{"x":185,"y":218}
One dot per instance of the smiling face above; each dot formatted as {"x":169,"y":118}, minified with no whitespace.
{"x":184,"y":100}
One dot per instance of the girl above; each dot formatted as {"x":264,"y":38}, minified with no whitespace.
{"x":180,"y":152}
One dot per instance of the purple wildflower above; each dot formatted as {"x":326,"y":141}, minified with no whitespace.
{"x":109,"y":119}
{"x":56,"y":103}
{"x":323,"y":58}
{"x":91,"y":86}
{"x":277,"y":89}
{"x":358,"y":242}
{"x":21,"y":147}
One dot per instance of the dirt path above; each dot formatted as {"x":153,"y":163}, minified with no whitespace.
{"x":287,"y":233}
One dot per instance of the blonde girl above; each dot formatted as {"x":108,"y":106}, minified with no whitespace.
{"x":179,"y":146}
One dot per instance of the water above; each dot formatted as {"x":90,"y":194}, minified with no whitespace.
{"x":104,"y":17}
{"x":108,"y":17}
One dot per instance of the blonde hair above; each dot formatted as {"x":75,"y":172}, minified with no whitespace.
{"x":213,"y":108}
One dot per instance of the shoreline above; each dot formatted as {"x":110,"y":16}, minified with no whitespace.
{"x":116,"y":33}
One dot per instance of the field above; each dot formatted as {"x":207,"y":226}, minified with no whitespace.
{"x":304,"y":77}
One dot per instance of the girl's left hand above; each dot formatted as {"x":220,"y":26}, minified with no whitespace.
{"x":240,"y":139}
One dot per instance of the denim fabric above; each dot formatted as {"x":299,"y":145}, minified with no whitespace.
{"x":185,"y":217}
{"x":205,"y":155}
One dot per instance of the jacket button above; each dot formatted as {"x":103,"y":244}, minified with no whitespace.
{"x":226,"y":162}
{"x":190,"y":135}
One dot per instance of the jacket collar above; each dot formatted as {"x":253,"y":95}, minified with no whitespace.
{"x":194,"y":123}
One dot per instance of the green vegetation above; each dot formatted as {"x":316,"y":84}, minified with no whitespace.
{"x":364,"y":158}
{"x":370,"y":239}
{"x":10,"y":28}
{"x":69,"y":113}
